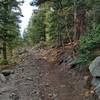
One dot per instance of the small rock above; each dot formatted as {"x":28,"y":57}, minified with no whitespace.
{"x":22,"y":69}
{"x":41,"y":84}
{"x":62,"y":86}
{"x":40,"y":75}
{"x":0,"y":93}
{"x":5,"y":89}
{"x":29,"y":78}
{"x":54,"y":96}
{"x":13,"y":96}
{"x":47,"y":84}
{"x":50,"y":95}
{"x":2,"y":78}
{"x":47,"y":73}
{"x":35,"y":92}
{"x":86,"y":78}
{"x":7,"y":72}
{"x":40,"y":98}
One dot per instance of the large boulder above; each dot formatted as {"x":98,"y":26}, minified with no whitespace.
{"x":95,"y":67}
{"x":95,"y":71}
{"x":96,"y":83}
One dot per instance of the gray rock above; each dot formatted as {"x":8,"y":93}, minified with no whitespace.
{"x":14,"y":96}
{"x":29,"y":78}
{"x":5,"y":89}
{"x":54,"y":96}
{"x":95,"y":67}
{"x":97,"y":90}
{"x":7,"y":72}
{"x":95,"y":82}
{"x":50,"y":94}
{"x":95,"y":71}
{"x":20,"y":51}
{"x":2,"y":78}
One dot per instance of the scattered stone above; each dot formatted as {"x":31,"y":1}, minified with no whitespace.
{"x":35,"y":92}
{"x":5,"y":89}
{"x":50,"y":95}
{"x":63,"y":86}
{"x":47,"y":84}
{"x":41,"y":84}
{"x":40,"y":75}
{"x":86,"y":78}
{"x":47,"y":73}
{"x":21,"y":51}
{"x":54,"y":96}
{"x":64,"y":58}
{"x":14,"y":96}
{"x":29,"y":78}
{"x":40,"y":98}
{"x":0,"y":93}
{"x":7,"y":72}
{"x":2,"y":78}
{"x":22,"y":69}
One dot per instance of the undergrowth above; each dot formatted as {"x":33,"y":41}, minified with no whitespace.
{"x":88,"y":47}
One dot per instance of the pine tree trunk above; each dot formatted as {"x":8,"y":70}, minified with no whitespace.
{"x":94,"y":17}
{"x":4,"y":51}
{"x":44,"y":37}
{"x":79,"y":24}
{"x":74,"y":38}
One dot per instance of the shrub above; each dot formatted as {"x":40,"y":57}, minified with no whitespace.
{"x":40,"y":45}
{"x":3,"y":62}
{"x":87,"y":47}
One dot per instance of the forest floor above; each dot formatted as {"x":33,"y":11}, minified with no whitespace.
{"x":44,"y":75}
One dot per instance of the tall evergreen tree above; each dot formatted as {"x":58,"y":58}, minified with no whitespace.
{"x":9,"y":19}
{"x":36,"y":27}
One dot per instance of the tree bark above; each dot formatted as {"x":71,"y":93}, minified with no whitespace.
{"x":4,"y":51}
{"x":94,"y":16}
{"x":79,"y":21}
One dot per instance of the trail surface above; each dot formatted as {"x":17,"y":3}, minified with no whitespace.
{"x":36,"y":78}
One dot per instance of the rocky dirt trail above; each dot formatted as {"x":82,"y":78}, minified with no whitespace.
{"x":37,"y":78}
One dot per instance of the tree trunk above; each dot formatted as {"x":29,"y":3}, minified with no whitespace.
{"x":79,"y":21}
{"x":79,"y":24}
{"x":4,"y":51}
{"x":59,"y":40}
{"x":94,"y":17}
{"x":44,"y":37}
{"x":74,"y":38}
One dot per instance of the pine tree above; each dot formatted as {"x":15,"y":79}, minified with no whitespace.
{"x":9,"y":19}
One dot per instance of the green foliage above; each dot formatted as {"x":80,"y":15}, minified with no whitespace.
{"x":3,"y":62}
{"x":88,"y":45}
{"x":36,"y":28}
{"x":40,"y":45}
{"x":65,"y":19}
{"x":52,"y":22}
{"x":9,"y":24}
{"x":51,"y":26}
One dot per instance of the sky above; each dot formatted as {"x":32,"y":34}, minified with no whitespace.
{"x":27,"y":12}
